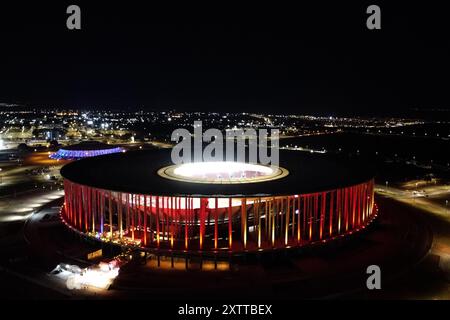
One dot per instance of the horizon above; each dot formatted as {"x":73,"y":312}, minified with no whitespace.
{"x":319,"y":59}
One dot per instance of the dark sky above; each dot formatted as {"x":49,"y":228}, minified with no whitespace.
{"x":262,"y":57}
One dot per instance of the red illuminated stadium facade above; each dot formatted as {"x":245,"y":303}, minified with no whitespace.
{"x":213,"y":216}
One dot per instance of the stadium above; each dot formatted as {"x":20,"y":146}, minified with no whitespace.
{"x":140,"y":199}
{"x":84,"y":150}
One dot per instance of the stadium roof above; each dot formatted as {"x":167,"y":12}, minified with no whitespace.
{"x":136,"y":172}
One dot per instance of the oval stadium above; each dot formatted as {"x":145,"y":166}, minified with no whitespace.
{"x":140,"y":199}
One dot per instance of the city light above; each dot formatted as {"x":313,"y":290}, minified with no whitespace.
{"x":98,"y":276}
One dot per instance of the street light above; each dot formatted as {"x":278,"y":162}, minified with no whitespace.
{"x":387,"y":182}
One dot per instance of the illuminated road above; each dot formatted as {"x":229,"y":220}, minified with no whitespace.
{"x":22,"y":206}
{"x":35,"y":172}
{"x":432,"y":204}
{"x":33,"y":241}
{"x":25,"y":186}
{"x":425,"y":201}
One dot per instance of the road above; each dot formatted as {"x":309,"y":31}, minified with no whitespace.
{"x":437,"y":216}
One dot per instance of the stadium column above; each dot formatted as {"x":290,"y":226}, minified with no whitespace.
{"x":127,"y":212}
{"x":90,"y":226}
{"x":281,"y":218}
{"x":102,"y":213}
{"x":216,"y":223}
{"x":331,"y":212}
{"x":299,"y":238}
{"x":138,"y":212}
{"x":346,"y":208}
{"x":322,"y":214}
{"x":258,"y":210}
{"x":93,"y":207}
{"x":97,"y":208}
{"x":276,"y":218}
{"x":74,"y":206}
{"x":85,"y":199}
{"x":172,"y":226}
{"x":311,"y":201}
{"x":366,"y":208}
{"x":369,"y":201}
{"x":338,"y":207}
{"x":244,"y":221}
{"x":86,"y":208}
{"x":119,"y":215}
{"x":167,"y":220}
{"x":178,"y":219}
{"x":273,"y":210}
{"x":110,"y":216}
{"x":358,"y":207}
{"x":132,"y":215}
{"x":157,"y":222}
{"x":145,"y":220}
{"x":366,"y":201}
{"x":316,"y":213}
{"x":287,"y":214}
{"x":266,"y":219}
{"x":312,"y":215}
{"x":302,"y":217}
{"x":371,"y":197}
{"x":294,"y":200}
{"x":80,"y":209}
{"x":186,"y":233}
{"x":163,"y":207}
{"x":150,"y":220}
{"x":192,"y":218}
{"x":350,"y":207}
{"x":67,"y":201}
{"x":307,"y":223}
{"x":203,"y":203}
{"x":363,"y":202}
{"x":230,"y":223}
{"x":354,"y":205}
{"x":83,"y":210}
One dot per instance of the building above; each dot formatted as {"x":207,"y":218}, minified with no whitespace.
{"x":139,"y":199}
{"x":84,"y":150}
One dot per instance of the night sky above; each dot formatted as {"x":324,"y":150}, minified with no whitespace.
{"x":273,"y":57}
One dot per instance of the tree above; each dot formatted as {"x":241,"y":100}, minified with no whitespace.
{"x":22,"y":147}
